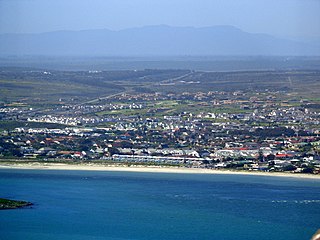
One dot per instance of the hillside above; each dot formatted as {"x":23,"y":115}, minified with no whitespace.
{"x":159,"y":40}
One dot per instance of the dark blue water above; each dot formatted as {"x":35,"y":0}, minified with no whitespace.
{"x":122,"y":205}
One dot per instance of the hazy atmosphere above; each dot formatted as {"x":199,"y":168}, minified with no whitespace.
{"x":165,"y":28}
{"x":152,"y":120}
{"x":297,"y":19}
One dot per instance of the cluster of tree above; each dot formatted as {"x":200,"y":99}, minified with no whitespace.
{"x":8,"y":149}
{"x":274,"y":132}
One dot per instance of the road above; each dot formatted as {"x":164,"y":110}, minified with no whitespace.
{"x":170,"y":80}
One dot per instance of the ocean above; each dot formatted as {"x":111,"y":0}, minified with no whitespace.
{"x":131,"y":205}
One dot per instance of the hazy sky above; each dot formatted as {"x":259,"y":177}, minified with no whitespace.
{"x":297,"y":18}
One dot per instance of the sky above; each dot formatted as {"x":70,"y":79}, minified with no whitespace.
{"x":282,"y":18}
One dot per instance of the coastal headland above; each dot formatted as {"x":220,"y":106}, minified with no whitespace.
{"x":13,"y":204}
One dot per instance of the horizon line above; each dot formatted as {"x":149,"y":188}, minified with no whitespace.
{"x":130,"y":28}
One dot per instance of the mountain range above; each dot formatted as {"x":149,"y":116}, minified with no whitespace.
{"x":158,"y":40}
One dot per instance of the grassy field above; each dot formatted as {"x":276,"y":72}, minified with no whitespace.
{"x":174,"y":107}
{"x":299,"y":81}
{"x":39,"y":88}
{"x":19,"y":84}
{"x":10,"y":125}
{"x":34,"y":92}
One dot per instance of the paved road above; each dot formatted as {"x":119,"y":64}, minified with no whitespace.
{"x":170,"y":80}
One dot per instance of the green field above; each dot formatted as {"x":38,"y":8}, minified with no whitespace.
{"x":37,"y":89}
{"x":10,"y":125}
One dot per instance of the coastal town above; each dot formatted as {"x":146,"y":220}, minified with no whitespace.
{"x":263,"y":130}
{"x":159,"y":120}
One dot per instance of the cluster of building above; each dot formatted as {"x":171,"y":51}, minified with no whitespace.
{"x":256,"y":131}
{"x":178,"y":147}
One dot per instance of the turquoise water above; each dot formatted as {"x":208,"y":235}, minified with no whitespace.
{"x":123,"y":205}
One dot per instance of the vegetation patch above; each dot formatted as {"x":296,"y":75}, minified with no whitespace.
{"x":13,"y":204}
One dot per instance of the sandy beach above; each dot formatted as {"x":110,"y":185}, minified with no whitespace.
{"x":151,"y":169}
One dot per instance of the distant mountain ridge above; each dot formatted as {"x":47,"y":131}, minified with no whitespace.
{"x":159,"y":40}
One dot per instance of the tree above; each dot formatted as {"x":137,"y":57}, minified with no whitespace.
{"x":289,"y":168}
{"x":308,"y":170}
{"x":113,"y":150}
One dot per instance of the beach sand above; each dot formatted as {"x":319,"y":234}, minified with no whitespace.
{"x":151,"y":169}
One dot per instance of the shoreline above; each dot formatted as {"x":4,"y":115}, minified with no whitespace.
{"x":151,"y":169}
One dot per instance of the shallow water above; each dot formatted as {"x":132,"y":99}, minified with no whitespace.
{"x":132,"y":205}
